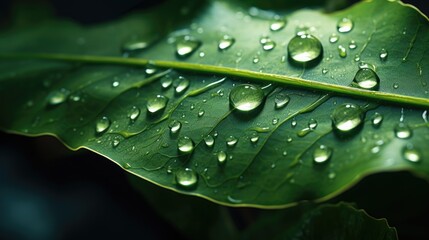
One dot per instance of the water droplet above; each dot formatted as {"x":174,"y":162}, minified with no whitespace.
{"x":57,"y":97}
{"x":278,"y":24}
{"x":186,"y":46}
{"x":182,"y":84}
{"x":174,"y":126}
{"x":312,"y":124}
{"x":127,"y":166}
{"x":221,"y":157}
{"x":246,"y":97}
{"x":231,"y":141}
{"x":275,"y":121}
{"x":284,"y":153}
{"x":325,"y":71}
{"x":226,"y":42}
{"x":383,"y":54}
{"x":209,"y":141}
{"x":363,"y":65}
{"x":115,"y":84}
{"x":254,"y":137}
{"x":352,"y":44}
{"x":133,"y":46}
{"x":157,"y":103}
{"x":302,"y":30}
{"x":166,"y":81}
{"x":402,"y":131}
{"x":342,"y":51}
{"x":255,"y":59}
{"x":281,"y":100}
{"x":150,"y":70}
{"x":366,"y":78}
{"x":102,"y":124}
{"x":267,"y":43}
{"x":322,"y":154}
{"x":395,"y":85}
{"x":347,"y":117}
{"x":411,"y":154}
{"x":345,"y":25}
{"x":293,"y":123}
{"x":201,"y":113}
{"x":186,"y":178}
{"x":192,"y":107}
{"x":303,"y":132}
{"x":116,"y":141}
{"x":331,"y":175}
{"x":185,"y":144}
{"x":376,"y":119}
{"x":304,"y":48}
{"x":334,"y":38}
{"x":133,"y":113}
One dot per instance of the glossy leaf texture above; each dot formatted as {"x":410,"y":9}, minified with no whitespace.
{"x":236,"y":139}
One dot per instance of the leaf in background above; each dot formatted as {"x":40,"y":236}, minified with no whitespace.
{"x":182,"y":121}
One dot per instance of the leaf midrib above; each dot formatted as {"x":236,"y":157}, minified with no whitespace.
{"x":397,"y":99}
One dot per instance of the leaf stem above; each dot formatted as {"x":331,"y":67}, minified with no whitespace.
{"x":228,"y":71}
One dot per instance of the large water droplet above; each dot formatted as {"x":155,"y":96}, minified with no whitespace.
{"x":383,"y":54}
{"x":322,"y":154}
{"x":133,"y":113}
{"x":57,"y":97}
{"x":102,"y":124}
{"x":246,"y":97}
{"x":281,"y":100}
{"x":221,"y":157}
{"x":186,"y":178}
{"x":231,"y":141}
{"x":402,"y":131}
{"x":175,"y":126}
{"x":278,"y":24}
{"x":209,"y":141}
{"x":186,"y":45}
{"x":304,"y":48}
{"x":334,"y":38}
{"x":366,"y":78}
{"x":344,"y":25}
{"x":411,"y":154}
{"x":226,"y":42}
{"x":267,"y":43}
{"x":182,"y":84}
{"x":157,"y":103}
{"x":185,"y":144}
{"x":347,"y":117}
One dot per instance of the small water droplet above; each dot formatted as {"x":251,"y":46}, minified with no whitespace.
{"x":331,"y":175}
{"x":278,"y":24}
{"x":226,"y":42}
{"x":182,"y":84}
{"x":209,"y":141}
{"x":304,"y":48}
{"x":366,"y":78}
{"x":221,"y":157}
{"x":201,"y":113}
{"x":166,"y":81}
{"x":267,"y":43}
{"x":186,"y":178}
{"x":115,"y":84}
{"x":325,"y":71}
{"x":303,"y":132}
{"x":281,"y":100}
{"x":383,"y":54}
{"x":254,"y":137}
{"x":185,"y":144}
{"x":334,"y":38}
{"x":402,"y":131}
{"x":157,"y":103}
{"x":174,"y":126}
{"x":411,"y":154}
{"x":57,"y":97}
{"x":284,"y":153}
{"x":395,"y":85}
{"x":352,"y":44}
{"x":133,"y":46}
{"x":342,"y":51}
{"x":246,"y":97}
{"x":133,"y":113}
{"x":322,"y":154}
{"x":302,"y":30}
{"x":376,"y":119}
{"x":102,"y":124}
{"x":293,"y":123}
{"x":202,"y":54}
{"x":255,"y":59}
{"x":344,"y":25}
{"x":127,"y":166}
{"x":347,"y":117}
{"x":116,"y":141}
{"x":231,"y":141}
{"x":186,"y":46}
{"x":312,"y":124}
{"x":150,"y":70}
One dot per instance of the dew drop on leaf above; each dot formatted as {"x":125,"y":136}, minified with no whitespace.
{"x":267,"y":43}
{"x":133,"y":113}
{"x":182,"y":84}
{"x":246,"y":97}
{"x":383,"y":54}
{"x":185,"y":144}
{"x":334,"y":38}
{"x":115,"y":84}
{"x":156,"y":104}
{"x":395,"y":85}
{"x":366,"y":78}
{"x":254,"y":137}
{"x":278,"y":24}
{"x":150,"y":70}
{"x":402,"y":131}
{"x":231,"y":141}
{"x":275,"y":121}
{"x":344,"y":25}
{"x":281,"y":100}
{"x":166,"y":81}
{"x":352,"y":44}
{"x":116,"y":141}
{"x":304,"y":48}
{"x":376,"y":119}
{"x":303,"y":132}
{"x":226,"y":42}
{"x":411,"y":154}
{"x":342,"y":51}
{"x":325,"y":71}
{"x":221,"y":157}
{"x":312,"y":124}
{"x":58,"y":96}
{"x":186,"y":178}
{"x":201,"y":113}
{"x":174,"y":126}
{"x":102,"y":124}
{"x":133,"y":46}
{"x":209,"y":141}
{"x":347,"y":117}
{"x":322,"y":154}
{"x":186,"y":46}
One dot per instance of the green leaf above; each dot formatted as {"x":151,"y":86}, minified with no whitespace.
{"x":52,"y":83}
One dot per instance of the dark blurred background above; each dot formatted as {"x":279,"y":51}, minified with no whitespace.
{"x":49,"y":192}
